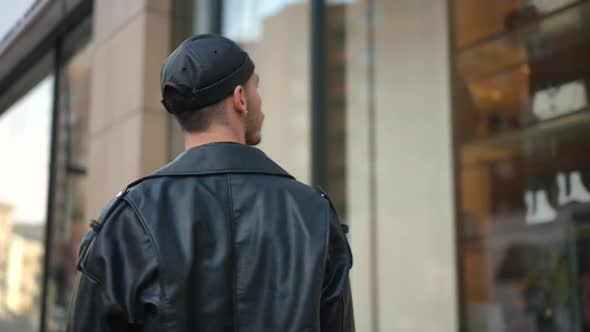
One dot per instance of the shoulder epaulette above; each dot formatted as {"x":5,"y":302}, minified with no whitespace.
{"x":323,"y":193}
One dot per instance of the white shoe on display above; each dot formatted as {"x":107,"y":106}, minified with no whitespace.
{"x":529,"y":202}
{"x":578,"y":192}
{"x":544,"y":104}
{"x":562,"y":194}
{"x":560,"y":100}
{"x":571,"y":97}
{"x":543,"y":212}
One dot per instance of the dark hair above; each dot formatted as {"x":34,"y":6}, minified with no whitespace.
{"x":197,"y":120}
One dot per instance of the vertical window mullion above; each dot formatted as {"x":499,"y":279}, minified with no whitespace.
{"x":52,"y":183}
{"x":318,"y":93}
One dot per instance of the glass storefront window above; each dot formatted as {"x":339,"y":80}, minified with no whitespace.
{"x":25,"y":141}
{"x":261,"y":27}
{"x":522,"y":113}
{"x":25,"y":138}
{"x":69,"y":219}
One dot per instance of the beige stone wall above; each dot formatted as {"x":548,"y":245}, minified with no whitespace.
{"x":402,"y":227}
{"x":128,"y":127}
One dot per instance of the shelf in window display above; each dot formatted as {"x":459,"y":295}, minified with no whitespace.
{"x":507,"y":230}
{"x":552,"y":234}
{"x":511,"y":102}
{"x":504,"y":145}
{"x":540,"y":15}
{"x":547,"y":34}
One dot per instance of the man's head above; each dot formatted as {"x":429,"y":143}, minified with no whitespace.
{"x":209,"y":84}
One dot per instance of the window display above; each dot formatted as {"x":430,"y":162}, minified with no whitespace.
{"x":522,"y":117}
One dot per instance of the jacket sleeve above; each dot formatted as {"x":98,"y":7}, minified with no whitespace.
{"x":117,"y":287}
{"x":336,"y":313}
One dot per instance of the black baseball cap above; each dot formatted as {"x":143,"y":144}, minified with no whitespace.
{"x":203,"y":70}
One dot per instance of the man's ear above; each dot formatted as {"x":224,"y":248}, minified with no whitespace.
{"x":239,"y":99}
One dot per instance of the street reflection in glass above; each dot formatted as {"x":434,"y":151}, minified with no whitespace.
{"x":25,"y":146}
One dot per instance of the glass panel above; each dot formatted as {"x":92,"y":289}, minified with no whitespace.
{"x":69,"y":223}
{"x":261,"y":27}
{"x":521,"y":102}
{"x":25,"y":138}
{"x":525,"y":254}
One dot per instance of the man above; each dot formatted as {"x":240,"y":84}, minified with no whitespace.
{"x":222,"y":238}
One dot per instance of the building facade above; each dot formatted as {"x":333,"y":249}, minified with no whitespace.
{"x":451,"y":135}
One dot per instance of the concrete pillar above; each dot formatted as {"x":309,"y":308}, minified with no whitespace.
{"x":402,"y":225}
{"x":128,"y":127}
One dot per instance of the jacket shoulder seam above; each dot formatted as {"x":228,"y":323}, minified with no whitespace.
{"x":147,"y":230}
{"x":82,"y":264}
{"x":326,"y":239}
{"x":233,"y":254}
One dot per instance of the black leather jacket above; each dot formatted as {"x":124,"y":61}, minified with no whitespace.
{"x":221,"y":239}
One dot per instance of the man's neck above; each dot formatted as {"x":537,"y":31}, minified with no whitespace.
{"x":214,"y":134}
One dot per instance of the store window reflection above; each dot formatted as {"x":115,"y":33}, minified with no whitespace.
{"x":522,"y":111}
{"x":25,"y":138}
{"x":69,"y":223}
{"x":276,"y":35}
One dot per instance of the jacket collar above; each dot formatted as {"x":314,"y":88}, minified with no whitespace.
{"x":222,"y":158}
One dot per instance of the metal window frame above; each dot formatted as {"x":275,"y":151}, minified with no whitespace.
{"x":460,"y":312}
{"x":318,"y":93}
{"x":52,"y":184}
